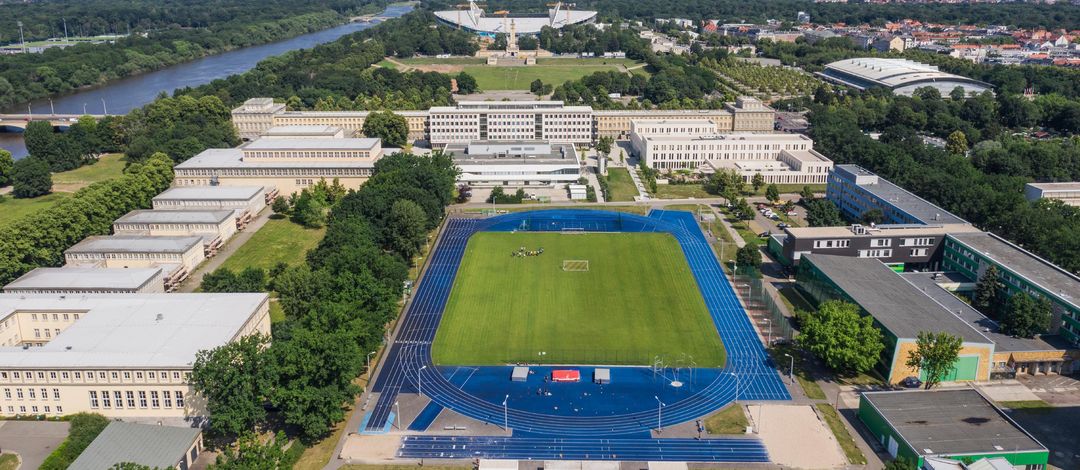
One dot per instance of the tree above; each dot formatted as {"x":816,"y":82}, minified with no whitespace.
{"x":31,"y":178}
{"x":280,"y":205}
{"x":823,"y":213}
{"x":393,"y":129}
{"x":899,"y":463}
{"x":772,"y":193}
{"x":604,"y":145}
{"x":466,"y":84}
{"x":845,"y":340}
{"x":757,"y":182}
{"x":234,"y":380}
{"x":725,"y":183}
{"x":957,"y":143}
{"x":536,"y":87}
{"x":464,"y":192}
{"x":872,"y":217}
{"x":84,"y":428}
{"x":806,"y":194}
{"x":7,"y":167}
{"x":935,"y":355}
{"x":749,"y":255}
{"x":251,"y":279}
{"x":251,"y":453}
{"x":496,"y":194}
{"x":989,"y":292}
{"x":1027,"y":316}
{"x":309,"y":210}
{"x":407,"y":226}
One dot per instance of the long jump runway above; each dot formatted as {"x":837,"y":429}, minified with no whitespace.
{"x":748,"y":370}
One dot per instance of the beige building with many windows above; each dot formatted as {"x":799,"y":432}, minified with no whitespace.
{"x":177,"y":256}
{"x":126,"y":356}
{"x":505,"y":120}
{"x":215,"y":227}
{"x":245,"y":201}
{"x":72,"y":280}
{"x":693,"y":145}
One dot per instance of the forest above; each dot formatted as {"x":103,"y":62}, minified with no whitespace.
{"x":185,"y":34}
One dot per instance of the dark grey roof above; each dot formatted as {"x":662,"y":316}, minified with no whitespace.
{"x":951,"y":422}
{"x":895,"y":303}
{"x":989,"y":328}
{"x":1057,"y":281}
{"x":890,"y":193}
{"x":119,"y":442}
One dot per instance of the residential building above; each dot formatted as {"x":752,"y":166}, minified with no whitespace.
{"x":903,"y":247}
{"x":899,"y":309}
{"x":215,"y":227}
{"x":779,"y":158}
{"x":971,"y":254}
{"x":856,"y":191}
{"x":159,"y":447}
{"x":902,"y":76}
{"x":126,"y":356}
{"x":245,"y":201}
{"x":1069,"y":193}
{"x":516,"y":164}
{"x":72,"y":280}
{"x":959,"y":424}
{"x":177,"y":256}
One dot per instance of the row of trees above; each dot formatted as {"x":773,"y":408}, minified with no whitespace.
{"x":336,"y":305}
{"x":1019,"y":314}
{"x":39,"y":239}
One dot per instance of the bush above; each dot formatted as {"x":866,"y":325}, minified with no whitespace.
{"x":85,"y":427}
{"x":31,"y":178}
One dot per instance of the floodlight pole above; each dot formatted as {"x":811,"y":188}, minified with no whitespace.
{"x":369,"y":361}
{"x":736,"y":386}
{"x":419,"y":389}
{"x":397,"y":417}
{"x":506,"y":413}
{"x":769,"y":324}
{"x":791,"y":369}
{"x":659,"y":414}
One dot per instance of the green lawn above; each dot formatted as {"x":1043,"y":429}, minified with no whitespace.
{"x":621,"y":185}
{"x":14,"y":209}
{"x":681,"y":191}
{"x":836,"y":425}
{"x":9,"y":462}
{"x":491,"y":78}
{"x":447,"y":61}
{"x":278,"y":241}
{"x":730,"y":420}
{"x":625,"y":309}
{"x":108,"y":166}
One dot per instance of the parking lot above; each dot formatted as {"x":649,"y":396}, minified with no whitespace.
{"x":1054,"y":389}
{"x":32,"y":440}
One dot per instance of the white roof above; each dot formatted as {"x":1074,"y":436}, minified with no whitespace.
{"x":302,"y":130}
{"x":234,"y":158}
{"x":897,"y":73}
{"x":522,"y":25}
{"x":1049,"y":187}
{"x":134,"y":244}
{"x":750,"y":138}
{"x":210,"y":193}
{"x":131,"y":330}
{"x":174,"y":217}
{"x":329,"y":143}
{"x":84,"y":278}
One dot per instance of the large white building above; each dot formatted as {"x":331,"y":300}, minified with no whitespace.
{"x":125,"y":356}
{"x":696,"y":146}
{"x":475,"y":20}
{"x":902,"y":76}
{"x":523,"y":163}
{"x":287,"y":164}
{"x":502,"y":120}
{"x":71,"y":280}
{"x":1068,"y":193}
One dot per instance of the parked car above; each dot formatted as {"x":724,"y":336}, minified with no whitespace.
{"x":764,"y":234}
{"x":792,"y":214}
{"x":774,"y":216}
{"x":782,"y":225}
{"x":911,"y":382}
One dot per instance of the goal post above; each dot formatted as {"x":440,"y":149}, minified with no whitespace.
{"x":575,"y":265}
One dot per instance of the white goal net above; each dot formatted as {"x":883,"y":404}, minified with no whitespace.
{"x":575,"y":265}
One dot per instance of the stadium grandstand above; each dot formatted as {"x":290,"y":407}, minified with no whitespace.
{"x":902,"y":76}
{"x":471,"y":17}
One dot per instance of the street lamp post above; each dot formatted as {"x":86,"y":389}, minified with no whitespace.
{"x":419,"y":389}
{"x":736,"y":385}
{"x":791,"y":369}
{"x":659,"y":415}
{"x":369,"y":360}
{"x":397,"y":417}
{"x":506,"y":413}
{"x":768,"y":323}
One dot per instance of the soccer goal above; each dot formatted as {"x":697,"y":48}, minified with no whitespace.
{"x":575,"y":265}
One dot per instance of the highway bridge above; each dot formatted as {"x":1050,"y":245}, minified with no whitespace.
{"x":18,"y":122}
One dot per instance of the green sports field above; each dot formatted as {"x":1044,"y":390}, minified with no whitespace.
{"x":638,"y":300}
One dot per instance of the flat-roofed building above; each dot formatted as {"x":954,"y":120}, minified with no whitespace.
{"x":351,"y":121}
{"x":310,"y":131}
{"x":126,"y":356}
{"x":255,"y":116}
{"x":215,"y":227}
{"x":618,"y":123}
{"x":971,"y":254}
{"x":73,"y":280}
{"x":856,"y":190}
{"x":161,"y":447}
{"x":900,"y":309}
{"x":1069,"y":193}
{"x":958,"y":424}
{"x":516,"y":164}
{"x":245,"y":201}
{"x":288,"y":165}
{"x":750,"y":115}
{"x":779,"y":158}
{"x":910,"y":246}
{"x":177,"y":256}
{"x":510,"y":120}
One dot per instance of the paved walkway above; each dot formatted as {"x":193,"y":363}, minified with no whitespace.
{"x":195,"y":279}
{"x":32,"y":440}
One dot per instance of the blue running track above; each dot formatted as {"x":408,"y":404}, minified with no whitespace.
{"x":554,"y":448}
{"x":409,"y":359}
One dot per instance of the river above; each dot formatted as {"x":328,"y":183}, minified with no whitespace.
{"x":121,"y":96}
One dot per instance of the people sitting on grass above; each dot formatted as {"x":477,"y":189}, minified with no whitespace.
{"x":522,"y":252}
